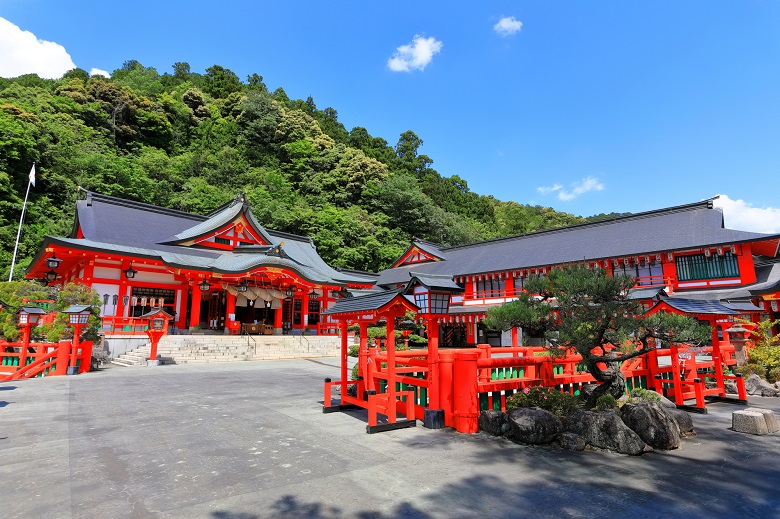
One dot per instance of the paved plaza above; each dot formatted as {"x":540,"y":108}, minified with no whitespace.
{"x":249,"y":440}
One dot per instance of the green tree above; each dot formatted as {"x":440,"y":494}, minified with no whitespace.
{"x":585,"y":311}
{"x":220,"y":82}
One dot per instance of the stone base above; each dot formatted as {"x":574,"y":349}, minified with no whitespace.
{"x":754,"y":421}
{"x":152,"y":362}
{"x":72,"y":370}
{"x":433,"y":418}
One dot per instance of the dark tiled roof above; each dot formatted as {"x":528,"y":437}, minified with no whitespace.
{"x":645,"y":293}
{"x":676,"y":228}
{"x":434,"y":282}
{"x":743,"y":306}
{"x":369,"y":303}
{"x":695,"y":306}
{"x":143,"y":230}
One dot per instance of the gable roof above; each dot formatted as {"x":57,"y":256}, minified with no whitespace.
{"x":136,"y":229}
{"x":373,"y":304}
{"x":675,"y":228}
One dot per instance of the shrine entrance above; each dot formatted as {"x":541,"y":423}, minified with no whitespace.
{"x":216,"y":311}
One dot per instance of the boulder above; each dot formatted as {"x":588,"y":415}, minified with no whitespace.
{"x":757,"y":386}
{"x":665,"y":402}
{"x":653,"y":424}
{"x":492,"y":422}
{"x":684,"y":421}
{"x":572,"y":442}
{"x":533,"y":425}
{"x":605,"y":430}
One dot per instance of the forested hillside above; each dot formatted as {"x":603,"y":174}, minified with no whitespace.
{"x":192,"y":141}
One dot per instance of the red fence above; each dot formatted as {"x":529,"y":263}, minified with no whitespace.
{"x":42,"y":359}
{"x":475,"y":379}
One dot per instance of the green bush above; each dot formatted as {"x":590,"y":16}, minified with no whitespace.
{"x":773,"y":375}
{"x":643,"y":395}
{"x":416,"y":340}
{"x":552,"y":400}
{"x":751,"y":369}
{"x":354,"y":350}
{"x":766,"y":356}
{"x":354,"y":372}
{"x":606,"y":402}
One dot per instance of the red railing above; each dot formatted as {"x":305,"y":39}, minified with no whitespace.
{"x":474,"y":379}
{"x":114,"y":325}
{"x":48,"y":359}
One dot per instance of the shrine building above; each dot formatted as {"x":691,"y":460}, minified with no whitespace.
{"x":684,"y":260}
{"x":216,"y":272}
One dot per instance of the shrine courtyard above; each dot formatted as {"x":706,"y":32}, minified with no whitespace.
{"x":249,"y":440}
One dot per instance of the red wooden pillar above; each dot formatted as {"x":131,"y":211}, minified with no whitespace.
{"x":717,"y":358}
{"x":433,"y":363}
{"x":670,"y":273}
{"x":391,"y":391}
{"x":195,"y":307}
{"x":181,"y":318}
{"x":446,"y":385}
{"x":363,"y":358}
{"x":747,"y":271}
{"x":510,"y":286}
{"x":344,"y":356}
{"x":279,"y":317}
{"x":25,"y":345}
{"x":230,"y":310}
{"x":305,"y":310}
{"x":466,"y":412}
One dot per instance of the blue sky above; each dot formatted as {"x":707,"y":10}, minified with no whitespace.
{"x":587,"y":107}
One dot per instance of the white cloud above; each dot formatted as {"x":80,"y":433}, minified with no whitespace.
{"x":508,"y":25}
{"x":23,"y":53}
{"x":415,"y":56}
{"x":98,"y":72}
{"x":742,"y":216}
{"x":576,"y":189}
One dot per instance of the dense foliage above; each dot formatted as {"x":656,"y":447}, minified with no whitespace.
{"x":191,"y":141}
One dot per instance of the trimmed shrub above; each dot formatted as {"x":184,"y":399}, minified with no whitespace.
{"x":354,"y":350}
{"x":606,"y":402}
{"x":643,"y":395}
{"x":773,"y":375}
{"x":751,"y":369}
{"x":552,"y":400}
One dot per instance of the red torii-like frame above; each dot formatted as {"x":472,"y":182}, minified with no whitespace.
{"x":365,"y":310}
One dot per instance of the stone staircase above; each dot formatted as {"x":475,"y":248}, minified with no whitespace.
{"x":189,"y":349}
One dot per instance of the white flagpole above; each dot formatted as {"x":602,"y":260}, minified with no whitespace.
{"x":19,"y":232}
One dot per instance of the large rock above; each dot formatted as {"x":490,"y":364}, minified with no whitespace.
{"x":605,"y":430}
{"x":756,"y":386}
{"x":572,"y":442}
{"x":653,"y":424}
{"x":492,"y":422}
{"x":684,"y":421}
{"x":533,"y":425}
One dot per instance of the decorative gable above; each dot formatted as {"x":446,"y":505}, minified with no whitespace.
{"x":239,"y":233}
{"x":419,"y":252}
{"x":230,"y":227}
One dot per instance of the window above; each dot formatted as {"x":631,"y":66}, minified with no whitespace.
{"x":699,"y":266}
{"x":646,"y":273}
{"x":490,"y":288}
{"x":297,"y":306}
{"x":223,"y":241}
{"x":314,"y":311}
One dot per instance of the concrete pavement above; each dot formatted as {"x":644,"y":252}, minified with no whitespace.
{"x":249,"y":440}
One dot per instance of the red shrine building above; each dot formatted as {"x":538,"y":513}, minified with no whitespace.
{"x":219,"y":271}
{"x":684,"y":260}
{"x":224,"y":270}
